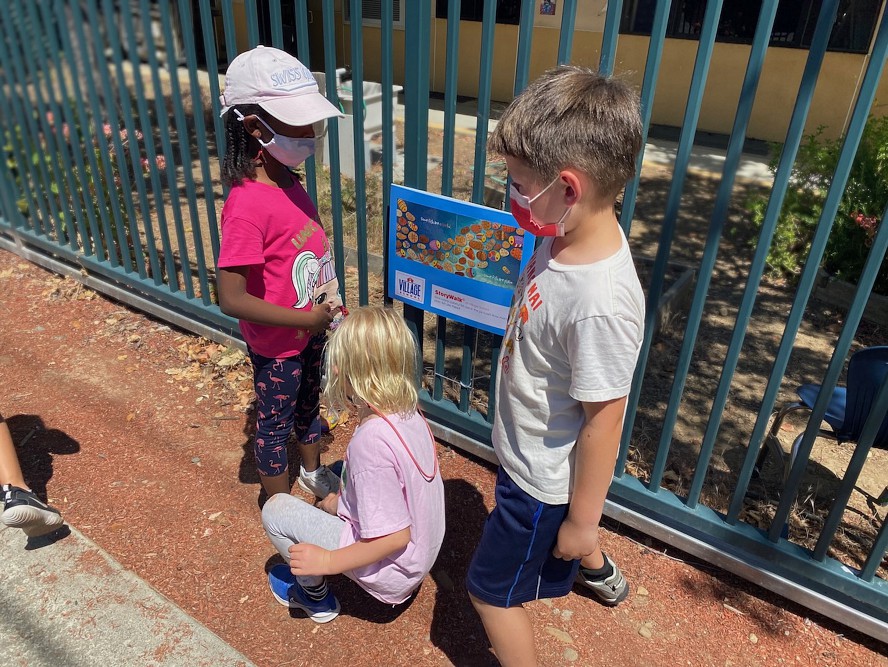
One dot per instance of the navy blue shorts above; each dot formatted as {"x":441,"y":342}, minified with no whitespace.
{"x":513,"y":562}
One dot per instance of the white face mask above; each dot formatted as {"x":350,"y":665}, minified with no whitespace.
{"x":289,"y":151}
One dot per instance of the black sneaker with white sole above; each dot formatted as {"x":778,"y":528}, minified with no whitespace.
{"x":22,"y":509}
{"x":609,"y":590}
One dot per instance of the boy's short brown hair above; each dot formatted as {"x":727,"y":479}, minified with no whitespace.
{"x":572,"y":117}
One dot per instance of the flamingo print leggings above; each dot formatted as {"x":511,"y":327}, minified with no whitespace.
{"x":288,"y":392}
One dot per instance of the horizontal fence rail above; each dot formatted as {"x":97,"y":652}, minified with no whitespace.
{"x":112,"y":139}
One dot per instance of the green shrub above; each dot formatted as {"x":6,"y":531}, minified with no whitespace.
{"x":858,"y":216}
{"x":92,"y":188}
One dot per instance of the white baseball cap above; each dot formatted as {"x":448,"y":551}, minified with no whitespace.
{"x":277,"y":82}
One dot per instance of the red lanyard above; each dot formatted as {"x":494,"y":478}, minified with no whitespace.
{"x":422,"y":472}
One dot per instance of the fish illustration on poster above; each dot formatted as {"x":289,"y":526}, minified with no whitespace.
{"x":454,"y":258}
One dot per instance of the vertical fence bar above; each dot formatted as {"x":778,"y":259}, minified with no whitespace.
{"x":211,"y":57}
{"x":22,"y":141}
{"x":229,"y":29}
{"x":806,"y":280}
{"x":867,"y":436}
{"x":200,"y":130}
{"x":791,"y":145}
{"x":115,"y":177}
{"x":874,"y":560}
{"x":184,"y":140}
{"x":252,"y":23}
{"x":609,"y":38}
{"x":685,"y":144}
{"x":416,"y":95}
{"x":522,"y":74}
{"x":648,"y":88}
{"x":868,"y":276}
{"x":133,"y":141}
{"x":277,"y":31}
{"x":9,"y":213}
{"x":707,"y":263}
{"x":451,"y":69}
{"x":145,"y":121}
{"x":54,"y":78}
{"x":31,"y":48}
{"x":388,"y":120}
{"x":388,"y":136}
{"x":333,"y":140}
{"x":138,"y":176}
{"x":95,"y":214}
{"x":105,"y":237}
{"x":479,"y":178}
{"x":33,"y":133}
{"x":416,"y":122}
{"x":166,"y":143}
{"x":17,"y":137}
{"x":568,"y":21}
{"x":357,"y":62}
{"x":525,"y":41}
{"x":485,"y":77}
{"x":300,"y":18}
{"x":129,"y":242}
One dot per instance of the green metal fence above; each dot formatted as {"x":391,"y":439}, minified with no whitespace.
{"x":111,"y":141}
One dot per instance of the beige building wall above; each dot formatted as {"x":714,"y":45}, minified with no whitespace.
{"x":781,"y":74}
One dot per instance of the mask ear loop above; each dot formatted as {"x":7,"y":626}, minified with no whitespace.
{"x":258,"y":159}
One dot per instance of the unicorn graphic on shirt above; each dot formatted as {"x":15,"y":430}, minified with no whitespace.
{"x":308,"y":272}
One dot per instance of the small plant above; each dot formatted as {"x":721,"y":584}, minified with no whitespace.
{"x":92,"y":187}
{"x":858,"y":216}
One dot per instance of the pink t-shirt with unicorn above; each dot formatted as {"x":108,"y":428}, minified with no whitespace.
{"x":274,"y":231}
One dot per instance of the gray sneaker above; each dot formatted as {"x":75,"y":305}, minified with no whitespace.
{"x":609,"y":591}
{"x":22,"y":509}
{"x":324,"y":483}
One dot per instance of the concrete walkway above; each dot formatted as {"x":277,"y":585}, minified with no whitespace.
{"x":67,"y":602}
{"x":660,"y":152}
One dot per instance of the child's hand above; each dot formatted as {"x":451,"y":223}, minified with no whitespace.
{"x":330,"y":504}
{"x":309,"y":560}
{"x":321,"y":316}
{"x":575,"y":540}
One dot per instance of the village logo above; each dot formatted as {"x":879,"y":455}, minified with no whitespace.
{"x":409,"y":287}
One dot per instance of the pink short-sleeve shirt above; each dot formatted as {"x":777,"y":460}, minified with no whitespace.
{"x":274,"y":232}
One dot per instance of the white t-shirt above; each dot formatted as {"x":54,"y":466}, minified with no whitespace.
{"x":573,"y":335}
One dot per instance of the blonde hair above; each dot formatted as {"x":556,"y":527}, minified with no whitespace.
{"x":572,"y":117}
{"x":371,"y":357}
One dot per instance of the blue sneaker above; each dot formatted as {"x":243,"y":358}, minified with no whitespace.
{"x":289,"y":593}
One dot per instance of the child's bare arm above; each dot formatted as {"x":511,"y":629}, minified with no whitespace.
{"x":597,"y":445}
{"x":234,"y":300}
{"x":309,"y":559}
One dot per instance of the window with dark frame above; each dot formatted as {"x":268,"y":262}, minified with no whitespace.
{"x":371,"y":10}
{"x":507,"y":11}
{"x":793,"y":26}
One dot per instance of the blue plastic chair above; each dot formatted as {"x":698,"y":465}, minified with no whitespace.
{"x":847,"y":410}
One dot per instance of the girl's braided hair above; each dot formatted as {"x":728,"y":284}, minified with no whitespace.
{"x":240,"y":147}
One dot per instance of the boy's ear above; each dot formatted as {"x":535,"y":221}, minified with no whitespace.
{"x":574,"y":186}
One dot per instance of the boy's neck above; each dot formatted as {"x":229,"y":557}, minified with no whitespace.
{"x":593,"y":235}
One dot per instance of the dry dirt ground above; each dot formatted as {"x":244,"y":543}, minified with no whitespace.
{"x":138,"y":433}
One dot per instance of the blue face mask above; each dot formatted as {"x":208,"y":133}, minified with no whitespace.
{"x":289,"y":151}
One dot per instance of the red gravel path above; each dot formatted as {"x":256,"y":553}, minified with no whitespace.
{"x":150,"y":464}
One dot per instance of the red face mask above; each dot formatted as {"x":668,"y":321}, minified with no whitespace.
{"x":522,"y":212}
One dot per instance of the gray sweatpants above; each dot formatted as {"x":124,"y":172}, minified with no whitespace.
{"x":288,"y":520}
